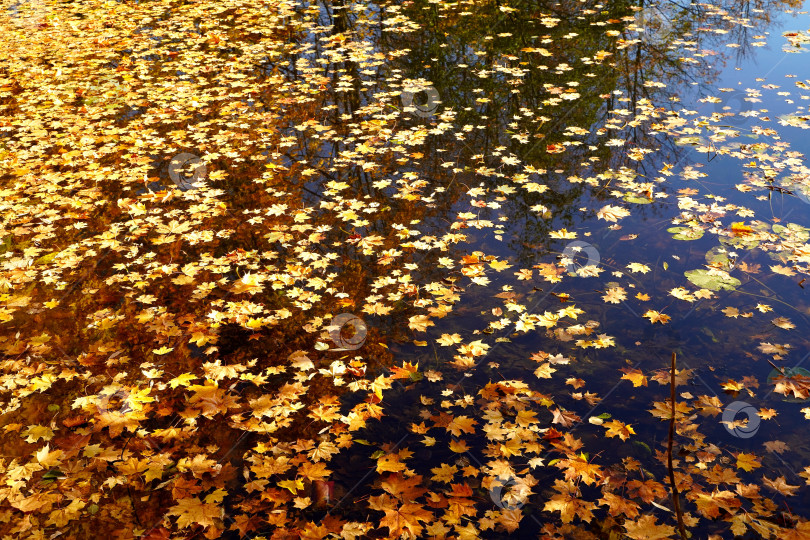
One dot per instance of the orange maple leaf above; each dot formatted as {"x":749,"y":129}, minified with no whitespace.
{"x":405,"y":489}
{"x":741,"y":229}
{"x":192,"y":511}
{"x":619,"y":506}
{"x":647,"y":491}
{"x":710,"y":504}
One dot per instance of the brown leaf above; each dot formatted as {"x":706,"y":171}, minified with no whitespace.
{"x":565,"y":418}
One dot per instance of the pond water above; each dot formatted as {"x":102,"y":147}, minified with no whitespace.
{"x":418,"y":269}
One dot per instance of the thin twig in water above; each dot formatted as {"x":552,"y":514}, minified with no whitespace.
{"x":676,"y":501}
{"x":777,"y":368}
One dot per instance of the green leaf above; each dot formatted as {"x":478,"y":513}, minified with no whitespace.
{"x":792,"y":231}
{"x":636,"y":199}
{"x":718,"y":254}
{"x":644,"y":446}
{"x":712,"y":281}
{"x":6,"y":244}
{"x":685,"y":233}
{"x":741,"y":242}
{"x":53,"y":474}
{"x":45,"y":259}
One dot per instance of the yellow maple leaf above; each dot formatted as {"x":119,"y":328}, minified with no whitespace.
{"x":447,"y":340}
{"x":544,"y":371}
{"x":293,"y":486}
{"x":390,"y":463}
{"x":526,"y":418}
{"x":182,"y":380}
{"x":419,"y":323}
{"x":638,"y":267}
{"x":646,"y":529}
{"x":562,"y":234}
{"x":499,"y":265}
{"x":732,"y":386}
{"x":570,"y":506}
{"x":444,"y":473}
{"x":461,"y":424}
{"x":458,"y":446}
{"x":656,"y":317}
{"x":614,"y":295}
{"x":619,"y":429}
{"x":47,"y":457}
{"x":747,"y":462}
{"x":36,"y":432}
{"x":249,"y":283}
